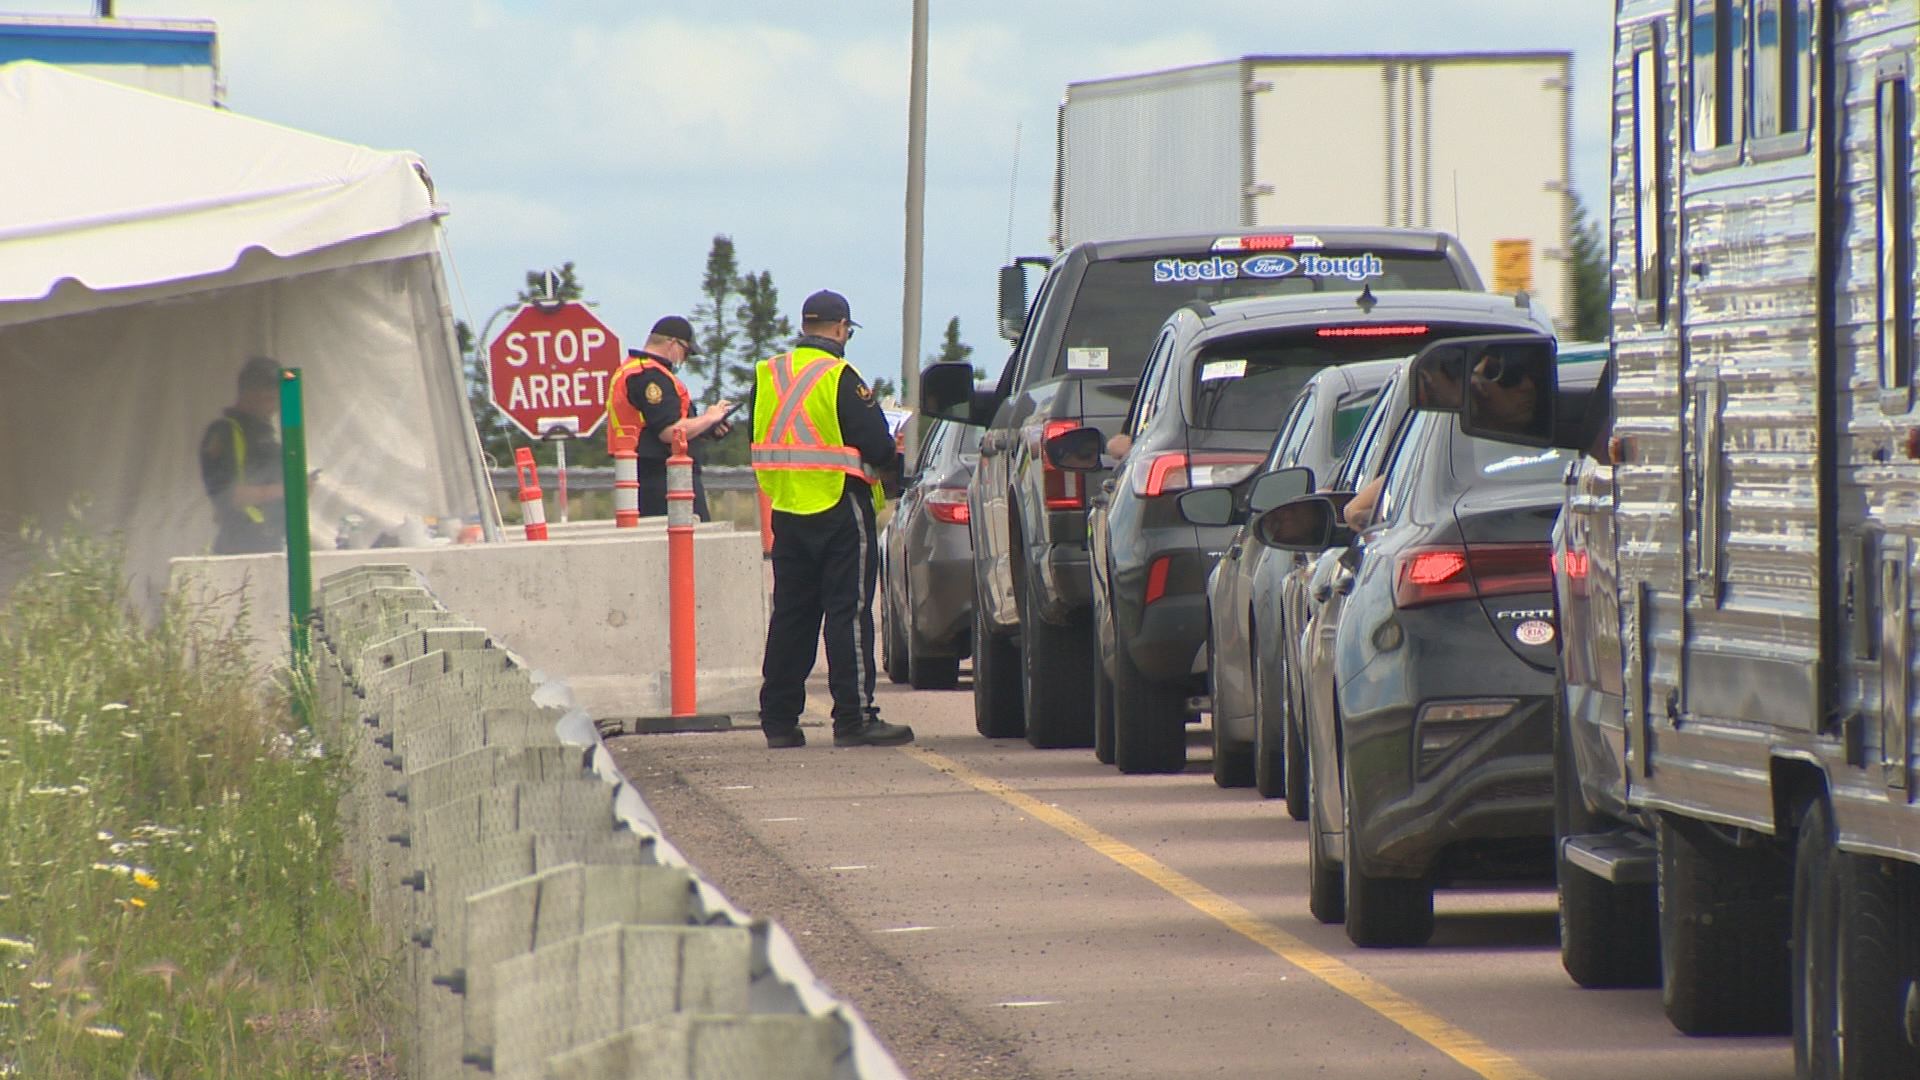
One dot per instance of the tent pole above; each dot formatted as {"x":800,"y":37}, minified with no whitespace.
{"x":293,"y":461}
{"x":476,"y":456}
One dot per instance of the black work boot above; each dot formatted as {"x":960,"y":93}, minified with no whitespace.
{"x":874,"y":731}
{"x":786,"y":740}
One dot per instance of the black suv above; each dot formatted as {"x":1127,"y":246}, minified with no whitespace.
{"x":1078,"y":355}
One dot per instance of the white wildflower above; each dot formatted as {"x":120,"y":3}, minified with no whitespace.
{"x":44,"y":726}
{"x":114,"y":706}
{"x":17,"y":945}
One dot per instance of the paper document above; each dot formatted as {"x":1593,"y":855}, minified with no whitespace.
{"x":897,"y":420}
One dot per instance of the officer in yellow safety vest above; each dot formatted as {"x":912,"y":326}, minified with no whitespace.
{"x":821,"y":446}
{"x":240,"y":465}
{"x":647,"y":400}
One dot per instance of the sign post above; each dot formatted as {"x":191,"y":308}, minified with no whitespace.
{"x":549,"y":372}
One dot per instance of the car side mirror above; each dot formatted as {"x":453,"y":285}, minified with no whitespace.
{"x":1308,"y":524}
{"x":1209,"y":506}
{"x":1013,"y":301}
{"x":1504,"y":387}
{"x":1279,"y":486}
{"x":1076,"y":450}
{"x":947,"y":391}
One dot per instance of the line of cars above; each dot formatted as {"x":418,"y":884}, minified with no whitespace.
{"x":1202,"y":486}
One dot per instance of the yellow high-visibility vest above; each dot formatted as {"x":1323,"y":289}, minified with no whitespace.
{"x":798,"y":454}
{"x":254,"y":513}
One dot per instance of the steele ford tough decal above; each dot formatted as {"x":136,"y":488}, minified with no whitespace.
{"x":1350,"y":267}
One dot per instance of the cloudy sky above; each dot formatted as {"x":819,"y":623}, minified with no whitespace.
{"x":625,"y":134}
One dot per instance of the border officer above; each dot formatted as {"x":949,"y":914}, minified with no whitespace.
{"x":650,"y":402}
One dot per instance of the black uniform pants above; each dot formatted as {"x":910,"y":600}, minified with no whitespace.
{"x":653,"y":489}
{"x":825,"y":567}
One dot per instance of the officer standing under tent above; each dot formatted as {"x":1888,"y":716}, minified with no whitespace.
{"x":240,"y":465}
{"x":650,"y":402}
{"x":820,"y":446}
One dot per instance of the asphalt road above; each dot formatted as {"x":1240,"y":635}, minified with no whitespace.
{"x":999,"y":911}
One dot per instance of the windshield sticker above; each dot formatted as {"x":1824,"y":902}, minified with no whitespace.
{"x":1351,"y":267}
{"x":1222,"y":369}
{"x":1087,"y":359}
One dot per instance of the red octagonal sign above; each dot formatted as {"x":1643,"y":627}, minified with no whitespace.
{"x":549,"y":369}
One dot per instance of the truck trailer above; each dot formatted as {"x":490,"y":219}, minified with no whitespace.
{"x":176,"y":57}
{"x":1474,"y":144}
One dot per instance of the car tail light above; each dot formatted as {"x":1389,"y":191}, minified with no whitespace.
{"x":1436,"y":575}
{"x":1165,"y":474}
{"x":1381,"y":331}
{"x":1571,"y":565}
{"x":948,"y":505}
{"x":1062,"y":490}
{"x":1268,"y":242}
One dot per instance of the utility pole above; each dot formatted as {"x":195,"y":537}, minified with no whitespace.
{"x":916,"y":223}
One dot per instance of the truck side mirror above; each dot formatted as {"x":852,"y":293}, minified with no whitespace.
{"x":1279,"y":486}
{"x":1208,"y":506}
{"x":1077,"y":450}
{"x":946,"y":391}
{"x":1309,"y":524}
{"x":1013,"y":301}
{"x":1504,"y":387}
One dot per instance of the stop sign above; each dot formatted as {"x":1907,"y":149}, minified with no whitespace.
{"x":549,"y":369}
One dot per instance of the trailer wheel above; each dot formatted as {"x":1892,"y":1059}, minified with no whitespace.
{"x":1849,"y":976}
{"x":1724,"y":921}
{"x":1609,"y":934}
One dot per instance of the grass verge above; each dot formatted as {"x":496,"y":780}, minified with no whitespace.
{"x":172,"y":902}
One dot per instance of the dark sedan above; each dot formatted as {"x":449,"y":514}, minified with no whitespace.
{"x":1434,"y":762}
{"x":1318,"y":430}
{"x":926,"y":561}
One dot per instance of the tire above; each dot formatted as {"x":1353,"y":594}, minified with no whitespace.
{"x":893,"y":646}
{"x":1298,"y":762}
{"x":932,"y":672}
{"x":1848,"y":977}
{"x":1269,"y":741}
{"x":1609,"y":934}
{"x":1058,"y":711}
{"x":1149,"y":720}
{"x":996,"y":693}
{"x":1102,"y":712}
{"x":1232,"y":766}
{"x":1382,"y":912}
{"x":1724,"y":921}
{"x":1326,"y":892}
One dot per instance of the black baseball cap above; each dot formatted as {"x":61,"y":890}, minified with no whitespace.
{"x":826,"y":306}
{"x":259,"y":372}
{"x":679,"y":329}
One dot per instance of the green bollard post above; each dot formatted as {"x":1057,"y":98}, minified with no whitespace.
{"x":293,"y":459}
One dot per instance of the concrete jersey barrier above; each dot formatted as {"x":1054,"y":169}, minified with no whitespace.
{"x":549,"y":930}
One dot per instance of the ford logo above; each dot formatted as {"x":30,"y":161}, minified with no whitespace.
{"x":1270,"y":266}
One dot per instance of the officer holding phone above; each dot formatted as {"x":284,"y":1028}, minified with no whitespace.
{"x":647,"y":400}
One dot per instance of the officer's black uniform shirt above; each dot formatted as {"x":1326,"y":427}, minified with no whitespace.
{"x":220,"y":471}
{"x":658,"y":415}
{"x":862,"y":425}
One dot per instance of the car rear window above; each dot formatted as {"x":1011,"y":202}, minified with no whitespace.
{"x":1479,"y":462}
{"x":1121,"y":303}
{"x":1246,"y":383}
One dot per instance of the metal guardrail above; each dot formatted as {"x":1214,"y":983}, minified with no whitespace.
{"x":547,"y":926}
{"x":600,"y":478}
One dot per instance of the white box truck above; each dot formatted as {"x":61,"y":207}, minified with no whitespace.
{"x":1474,"y":144}
{"x":176,"y":57}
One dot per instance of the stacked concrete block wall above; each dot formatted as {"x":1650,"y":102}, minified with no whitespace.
{"x":547,"y":928}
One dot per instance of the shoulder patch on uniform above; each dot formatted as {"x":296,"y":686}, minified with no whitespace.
{"x":866,"y":394}
{"x":653,"y":393}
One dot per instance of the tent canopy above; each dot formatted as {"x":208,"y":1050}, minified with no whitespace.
{"x":148,"y":248}
{"x":130,"y":188}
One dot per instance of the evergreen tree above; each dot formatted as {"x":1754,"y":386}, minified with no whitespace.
{"x":764,"y":331}
{"x":712,"y":324}
{"x":1592,"y":283}
{"x":952,"y":349}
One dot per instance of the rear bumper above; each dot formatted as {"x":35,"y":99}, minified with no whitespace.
{"x":1165,"y":638}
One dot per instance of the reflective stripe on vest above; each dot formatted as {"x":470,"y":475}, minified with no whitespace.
{"x":254,"y":513}
{"x":622,"y":417}
{"x":798,"y":463}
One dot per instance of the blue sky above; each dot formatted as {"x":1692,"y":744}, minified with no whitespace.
{"x":624,"y":134}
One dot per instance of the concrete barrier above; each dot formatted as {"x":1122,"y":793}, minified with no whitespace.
{"x":547,"y":928}
{"x":591,"y":602}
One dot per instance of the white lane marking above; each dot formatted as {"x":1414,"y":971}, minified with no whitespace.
{"x":767,"y":819}
{"x":737,"y":787}
{"x":856,"y":866}
{"x":1023,"y":1004}
{"x":908,"y":929}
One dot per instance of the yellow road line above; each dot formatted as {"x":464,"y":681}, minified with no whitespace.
{"x":1421,"y":1024}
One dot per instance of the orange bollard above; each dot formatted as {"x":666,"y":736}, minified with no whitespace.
{"x":680,"y":522}
{"x":766,"y":526}
{"x":533,"y":511}
{"x":626,"y":483}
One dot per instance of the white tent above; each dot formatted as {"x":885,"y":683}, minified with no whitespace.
{"x":148,"y":247}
